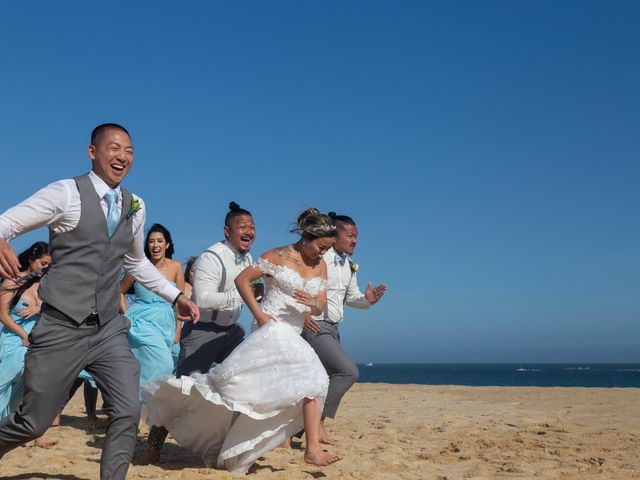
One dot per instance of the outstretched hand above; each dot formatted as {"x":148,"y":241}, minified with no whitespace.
{"x":9,"y":264}
{"x":373,"y":294}
{"x":187,"y":310}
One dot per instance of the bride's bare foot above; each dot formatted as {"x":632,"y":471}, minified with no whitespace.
{"x":324,"y":436}
{"x":321,"y":458}
{"x":286,"y":443}
{"x":44,"y":442}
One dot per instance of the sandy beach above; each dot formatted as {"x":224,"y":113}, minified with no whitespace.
{"x":406,"y":432}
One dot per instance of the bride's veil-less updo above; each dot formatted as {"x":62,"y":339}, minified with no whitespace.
{"x":313,"y":224}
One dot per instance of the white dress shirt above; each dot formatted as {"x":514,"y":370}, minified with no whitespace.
{"x":57,"y":206}
{"x":342,"y":288}
{"x":209,"y":294}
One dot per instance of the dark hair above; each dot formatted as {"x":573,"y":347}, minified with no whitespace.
{"x":187,"y":268}
{"x":313,"y":224}
{"x":34,"y":252}
{"x":234,"y":211}
{"x":156,"y":227}
{"x":99,"y":130}
{"x":341,"y":220}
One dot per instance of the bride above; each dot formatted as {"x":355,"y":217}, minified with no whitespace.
{"x":273,"y":384}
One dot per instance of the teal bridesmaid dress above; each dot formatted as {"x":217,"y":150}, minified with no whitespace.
{"x":152,"y":333}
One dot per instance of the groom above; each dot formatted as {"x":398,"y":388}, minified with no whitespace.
{"x":322,"y":332}
{"x":95,"y":226}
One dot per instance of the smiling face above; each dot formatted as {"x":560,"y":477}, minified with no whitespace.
{"x":315,"y":248}
{"x":347,"y":238}
{"x":157,"y":246}
{"x":192,"y":272}
{"x":111,"y":156}
{"x":241,"y":233}
{"x":39,"y":263}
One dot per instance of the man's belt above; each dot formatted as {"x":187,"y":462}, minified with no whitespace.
{"x":91,"y":320}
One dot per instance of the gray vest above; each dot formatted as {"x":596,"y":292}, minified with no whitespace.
{"x":85,"y":274}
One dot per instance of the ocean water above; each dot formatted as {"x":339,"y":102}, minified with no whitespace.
{"x":503,"y":374}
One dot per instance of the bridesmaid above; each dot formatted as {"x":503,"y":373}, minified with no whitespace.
{"x":155,"y":334}
{"x":19,"y":311}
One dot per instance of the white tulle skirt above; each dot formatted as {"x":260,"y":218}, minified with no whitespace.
{"x":245,"y":406}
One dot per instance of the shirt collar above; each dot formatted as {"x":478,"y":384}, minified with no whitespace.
{"x":331,"y":255}
{"x":100,"y":186}
{"x":236,"y":253}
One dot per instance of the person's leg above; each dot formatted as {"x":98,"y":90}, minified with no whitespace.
{"x":314,"y":454}
{"x":74,"y":388}
{"x":343,"y":373}
{"x":90,"y":398}
{"x":234,"y":337}
{"x":116,"y":372}
{"x":200,"y":345}
{"x":55,"y":357}
{"x":91,"y":407}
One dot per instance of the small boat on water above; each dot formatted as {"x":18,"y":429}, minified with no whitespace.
{"x":370,"y":364}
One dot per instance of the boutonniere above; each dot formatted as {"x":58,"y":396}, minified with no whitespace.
{"x":135,"y":206}
{"x":353,"y":266}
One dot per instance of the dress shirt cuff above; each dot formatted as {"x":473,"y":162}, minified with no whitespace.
{"x":169,"y":292}
{"x":234,"y":296}
{"x":6,"y":233}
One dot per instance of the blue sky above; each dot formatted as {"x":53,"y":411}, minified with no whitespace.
{"x":488,"y":150}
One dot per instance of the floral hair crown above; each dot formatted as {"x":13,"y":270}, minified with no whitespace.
{"x":324,"y":228}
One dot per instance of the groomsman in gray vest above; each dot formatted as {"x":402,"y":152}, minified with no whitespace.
{"x":95,"y":228}
{"x":214,"y":292}
{"x":322,"y":332}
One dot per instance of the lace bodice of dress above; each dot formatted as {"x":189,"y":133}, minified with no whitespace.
{"x":280,"y":284}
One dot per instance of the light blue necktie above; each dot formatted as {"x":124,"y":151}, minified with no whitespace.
{"x":339,"y":259}
{"x":113,"y":218}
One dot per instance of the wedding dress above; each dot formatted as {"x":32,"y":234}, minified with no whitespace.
{"x":252,"y":402}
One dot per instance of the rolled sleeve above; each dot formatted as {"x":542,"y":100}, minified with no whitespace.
{"x":354,"y":297}
{"x":206,"y":283}
{"x":47,"y":206}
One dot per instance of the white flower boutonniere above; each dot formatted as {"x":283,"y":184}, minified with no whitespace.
{"x":135,"y":206}
{"x":353,"y":266}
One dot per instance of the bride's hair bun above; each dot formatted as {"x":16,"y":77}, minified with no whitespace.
{"x":234,"y":211}
{"x":314,"y":224}
{"x":306,"y":214}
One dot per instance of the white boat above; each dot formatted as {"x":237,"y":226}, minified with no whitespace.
{"x":370,"y":364}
